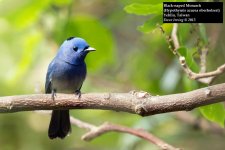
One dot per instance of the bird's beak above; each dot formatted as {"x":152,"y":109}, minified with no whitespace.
{"x":90,"y":49}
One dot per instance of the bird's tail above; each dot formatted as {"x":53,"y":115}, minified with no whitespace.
{"x":60,"y":124}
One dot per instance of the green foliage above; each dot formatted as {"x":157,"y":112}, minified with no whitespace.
{"x":152,"y":2}
{"x":150,"y":24}
{"x":203,"y":33}
{"x":214,"y":112}
{"x":154,"y":10}
{"x":26,"y":14}
{"x":147,"y":9}
{"x":30,"y":45}
{"x":143,"y":9}
{"x":184,"y":33}
{"x":61,"y":2}
{"x":154,"y":7}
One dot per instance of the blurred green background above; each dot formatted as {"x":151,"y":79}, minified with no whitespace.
{"x":126,"y":59}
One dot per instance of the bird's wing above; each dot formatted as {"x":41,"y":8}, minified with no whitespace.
{"x":48,"y":83}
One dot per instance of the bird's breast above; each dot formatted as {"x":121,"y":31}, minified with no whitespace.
{"x":67,"y":78}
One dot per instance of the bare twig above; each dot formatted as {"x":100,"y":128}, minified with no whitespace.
{"x":140,"y":103}
{"x":203,"y":55}
{"x":204,"y":77}
{"x":82,"y":124}
{"x":216,"y":72}
{"x":174,"y":36}
{"x":96,"y":131}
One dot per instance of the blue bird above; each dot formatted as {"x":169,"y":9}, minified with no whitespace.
{"x":66,"y":74}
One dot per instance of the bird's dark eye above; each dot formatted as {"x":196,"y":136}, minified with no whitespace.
{"x":75,"y":48}
{"x":86,"y":47}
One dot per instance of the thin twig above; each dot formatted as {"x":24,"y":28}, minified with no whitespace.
{"x":204,"y":77}
{"x":96,"y":131}
{"x":203,"y":56}
{"x":82,"y":124}
{"x":174,"y":36}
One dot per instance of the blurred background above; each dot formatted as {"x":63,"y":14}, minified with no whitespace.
{"x":125,"y":60}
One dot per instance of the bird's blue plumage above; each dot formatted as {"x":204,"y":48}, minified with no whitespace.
{"x":66,"y":74}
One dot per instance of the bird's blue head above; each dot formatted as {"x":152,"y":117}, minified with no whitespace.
{"x":74,"y":50}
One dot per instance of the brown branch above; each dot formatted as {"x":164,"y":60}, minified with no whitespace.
{"x":140,"y":103}
{"x":95,"y":131}
{"x":203,"y":77}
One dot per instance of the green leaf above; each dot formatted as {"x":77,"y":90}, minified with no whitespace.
{"x":182,"y":51}
{"x":188,"y":54}
{"x":144,"y":9}
{"x":190,"y":60}
{"x":214,"y":113}
{"x":184,"y":33}
{"x":150,"y":24}
{"x":203,"y":33}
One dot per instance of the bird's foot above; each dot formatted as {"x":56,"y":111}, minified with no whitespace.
{"x":53,"y":94}
{"x":78,"y":94}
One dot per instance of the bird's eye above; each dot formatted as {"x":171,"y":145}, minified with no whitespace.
{"x":75,"y":48}
{"x":86,"y":47}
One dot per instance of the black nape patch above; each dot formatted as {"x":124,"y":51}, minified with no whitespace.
{"x":70,"y":38}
